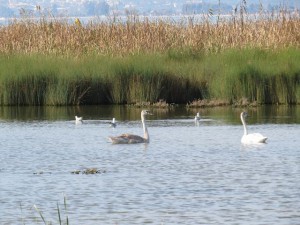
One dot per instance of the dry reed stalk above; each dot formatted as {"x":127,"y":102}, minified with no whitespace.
{"x":268,"y":31}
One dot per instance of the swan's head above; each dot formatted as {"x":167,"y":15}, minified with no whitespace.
{"x":146,"y":112}
{"x":198,"y":114}
{"x":244,"y":115}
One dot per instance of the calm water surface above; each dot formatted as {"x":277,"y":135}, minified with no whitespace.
{"x":188,"y":174}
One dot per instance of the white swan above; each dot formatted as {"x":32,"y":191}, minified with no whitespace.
{"x":113,"y":123}
{"x":78,"y":120}
{"x":197,"y":117}
{"x":254,"y":138}
{"x":131,"y":138}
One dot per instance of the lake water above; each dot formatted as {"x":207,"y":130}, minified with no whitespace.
{"x":188,"y":174}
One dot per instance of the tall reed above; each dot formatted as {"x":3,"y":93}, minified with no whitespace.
{"x":135,"y":35}
{"x":54,"y":62}
{"x":59,"y":214}
{"x":177,"y":76}
{"x":262,"y":76}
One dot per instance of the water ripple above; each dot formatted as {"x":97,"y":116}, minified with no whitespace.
{"x":187,"y":174}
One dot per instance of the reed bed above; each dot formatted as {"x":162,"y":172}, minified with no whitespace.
{"x":52,"y":62}
{"x":135,"y":35}
{"x":258,"y":76}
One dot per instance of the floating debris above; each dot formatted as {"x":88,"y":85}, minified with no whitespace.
{"x":41,"y":172}
{"x":76,"y":172}
{"x":162,"y":104}
{"x":88,"y":171}
{"x":199,"y":103}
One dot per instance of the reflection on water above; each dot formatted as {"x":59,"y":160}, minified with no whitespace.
{"x":187,"y":174}
{"x":266,"y":114}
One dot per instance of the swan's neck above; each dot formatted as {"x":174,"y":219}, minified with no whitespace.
{"x":146,"y":134}
{"x":244,"y":125}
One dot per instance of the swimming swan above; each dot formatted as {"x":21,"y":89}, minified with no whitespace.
{"x":254,"y":138}
{"x":131,"y":138}
{"x":197,"y":117}
{"x":113,"y":123}
{"x":78,"y":119}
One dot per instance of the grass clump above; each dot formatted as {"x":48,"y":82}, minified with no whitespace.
{"x":260,"y":76}
{"x":59,"y":214}
{"x":240,"y":59}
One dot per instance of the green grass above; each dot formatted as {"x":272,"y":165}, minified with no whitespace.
{"x":177,"y":76}
{"x":262,"y":76}
{"x":61,"y":214}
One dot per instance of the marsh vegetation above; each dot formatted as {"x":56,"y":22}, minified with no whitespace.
{"x":51,"y":62}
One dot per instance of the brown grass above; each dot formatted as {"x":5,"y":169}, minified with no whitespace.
{"x":207,"y":103}
{"x":268,"y":31}
{"x":161,"y":104}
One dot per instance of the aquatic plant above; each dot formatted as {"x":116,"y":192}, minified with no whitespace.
{"x":260,"y":76}
{"x":59,"y":214}
{"x":54,"y":62}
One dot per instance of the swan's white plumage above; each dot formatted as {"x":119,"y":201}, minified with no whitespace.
{"x":253,"y":138}
{"x":197,"y":117}
{"x":131,"y":138}
{"x":113,"y":123}
{"x":78,"y":120}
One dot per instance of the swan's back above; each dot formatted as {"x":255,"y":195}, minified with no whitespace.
{"x":127,"y":139}
{"x":254,"y":138}
{"x":78,"y":118}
